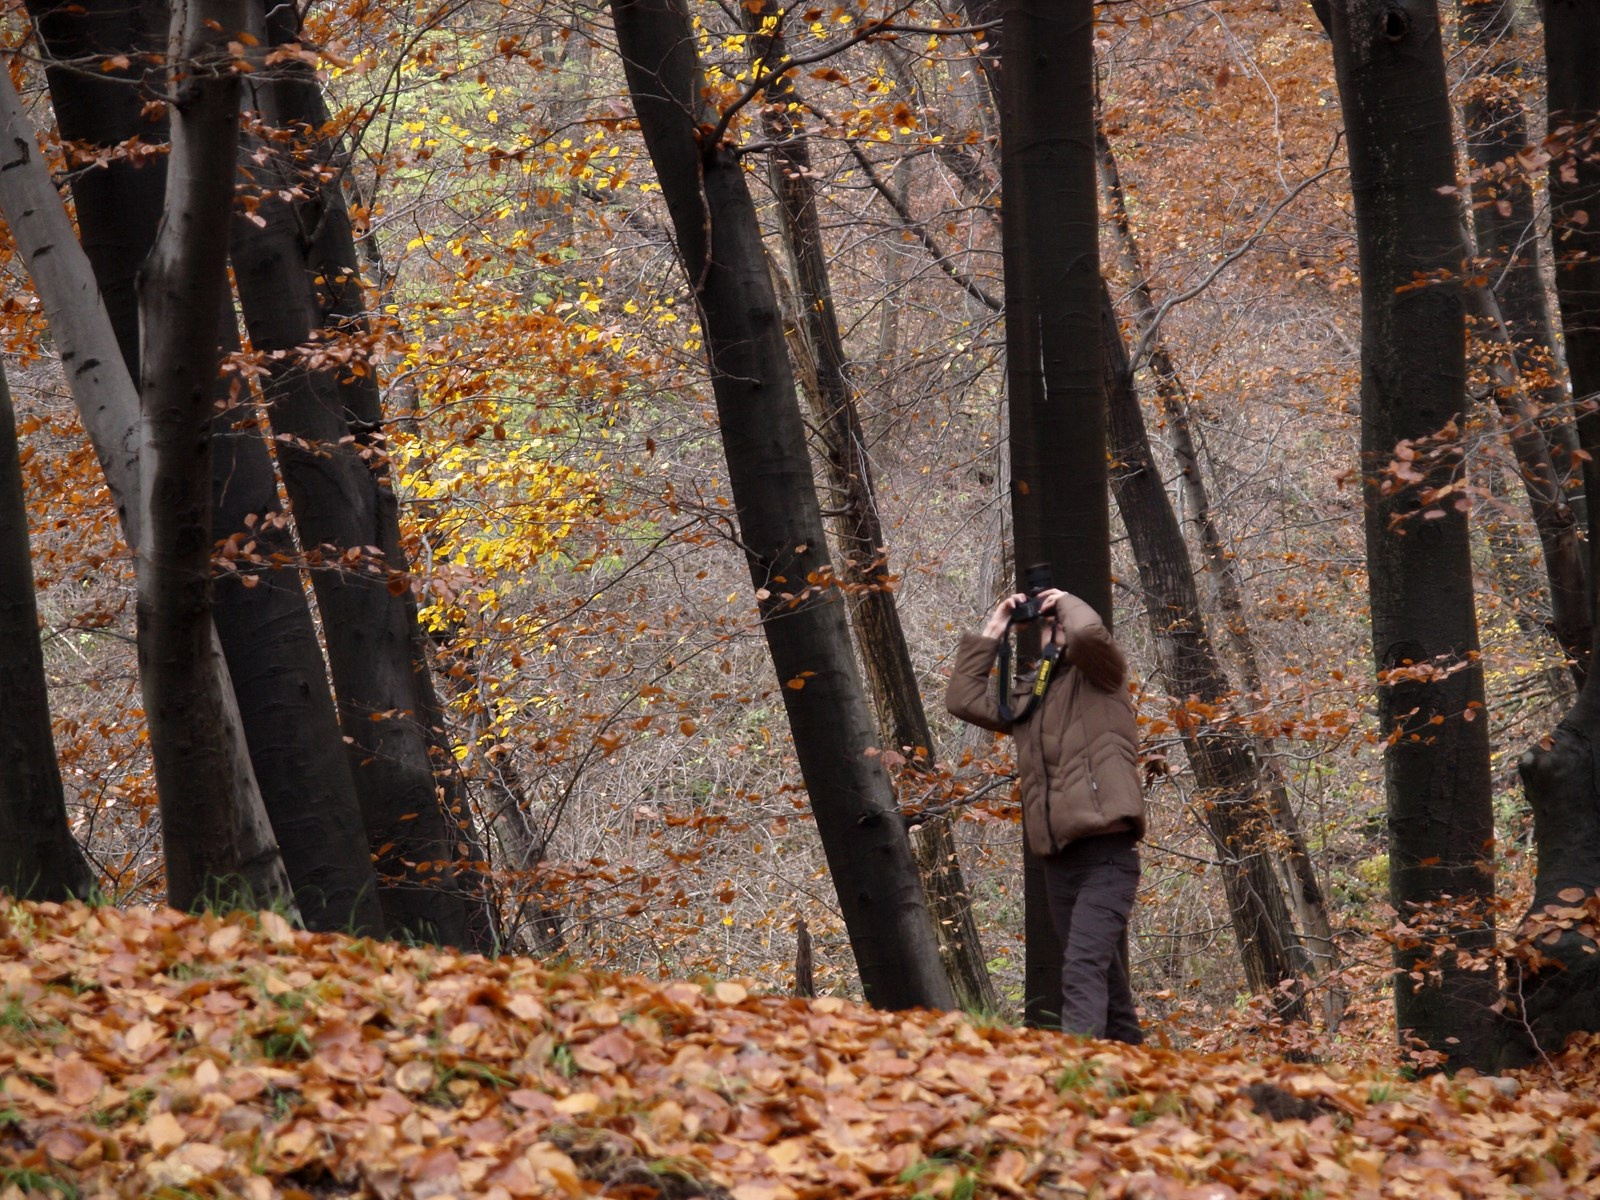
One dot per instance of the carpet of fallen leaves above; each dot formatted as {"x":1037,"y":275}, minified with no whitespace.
{"x":147,"y":1053}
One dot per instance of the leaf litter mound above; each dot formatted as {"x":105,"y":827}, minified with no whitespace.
{"x":147,"y":1053}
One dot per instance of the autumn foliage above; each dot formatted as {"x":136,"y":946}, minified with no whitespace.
{"x":149,"y":1053}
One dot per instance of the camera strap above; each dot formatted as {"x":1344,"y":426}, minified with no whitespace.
{"x":1041,"y":681}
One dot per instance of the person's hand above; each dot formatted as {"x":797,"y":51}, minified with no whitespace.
{"x":995,"y":626}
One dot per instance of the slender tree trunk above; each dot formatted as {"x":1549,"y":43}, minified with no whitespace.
{"x":1389,"y":63}
{"x":858,"y":529}
{"x":1533,"y":401}
{"x":39,"y":860}
{"x":780,"y":521}
{"x":215,"y":853}
{"x":1232,"y":791}
{"x":1221,"y":565}
{"x":294,"y":281}
{"x":1054,"y":370}
{"x":368,"y":627}
{"x":268,"y":637}
{"x":1572,"y":44}
{"x":1558,"y":986}
{"x":1553,"y":518}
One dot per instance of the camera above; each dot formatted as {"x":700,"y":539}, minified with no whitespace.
{"x":1037,"y":579}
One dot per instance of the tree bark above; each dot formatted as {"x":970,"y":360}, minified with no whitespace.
{"x":1389,"y":63}
{"x":1221,"y":564}
{"x":858,"y":530}
{"x":1054,"y":369}
{"x":1232,"y":791}
{"x":1557,"y":987}
{"x":39,"y":859}
{"x":108,"y":404}
{"x":268,"y":637}
{"x":1572,"y":44}
{"x":1533,"y":401}
{"x":223,"y":853}
{"x":331,"y":451}
{"x":780,"y":522}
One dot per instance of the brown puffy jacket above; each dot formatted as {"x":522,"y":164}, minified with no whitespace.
{"x":1077,"y":748}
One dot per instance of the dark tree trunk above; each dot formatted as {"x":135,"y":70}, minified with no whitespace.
{"x":1389,"y":63}
{"x":1221,"y":564}
{"x":1232,"y":792}
{"x":218,"y":842}
{"x":342,"y":508}
{"x":266,"y":630}
{"x":780,"y":521}
{"x":1054,"y":373}
{"x":1533,"y":400}
{"x":1572,"y":44}
{"x":332,"y":266}
{"x":226,"y":853}
{"x":1559,"y":985}
{"x":858,"y":531}
{"x":39,"y":860}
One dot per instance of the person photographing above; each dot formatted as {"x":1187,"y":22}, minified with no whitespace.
{"x":1077,"y":770}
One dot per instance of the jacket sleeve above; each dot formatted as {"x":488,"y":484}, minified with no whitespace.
{"x":971,"y":696}
{"x":1090,"y":647}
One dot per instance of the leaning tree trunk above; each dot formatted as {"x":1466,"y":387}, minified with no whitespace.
{"x":1232,"y":790}
{"x":1559,"y":983}
{"x":780,"y":521}
{"x":221,"y":853}
{"x":367,"y":626}
{"x":332,"y":269}
{"x":241,"y":857}
{"x":1221,"y":563}
{"x":1054,"y":374}
{"x":1389,"y":63}
{"x":39,"y":860}
{"x":263,"y":620}
{"x":1533,"y":403}
{"x":858,"y":529}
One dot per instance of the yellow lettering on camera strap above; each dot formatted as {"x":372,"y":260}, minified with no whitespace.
{"x":1046,"y":666}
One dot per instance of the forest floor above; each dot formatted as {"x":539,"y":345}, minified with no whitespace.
{"x":150,"y":1054}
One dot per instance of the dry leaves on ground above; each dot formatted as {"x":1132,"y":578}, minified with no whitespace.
{"x":150,"y":1054}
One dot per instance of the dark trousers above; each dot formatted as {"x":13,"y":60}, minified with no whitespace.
{"x":1090,"y":886}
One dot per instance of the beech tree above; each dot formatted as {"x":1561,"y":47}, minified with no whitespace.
{"x":275,"y":664}
{"x":1531,"y":397}
{"x":826,"y":379}
{"x":329,"y":431}
{"x":1389,"y":63}
{"x":1054,"y":358}
{"x":1559,"y":985}
{"x":780,"y":523}
{"x":39,"y":859}
{"x":218,"y":841}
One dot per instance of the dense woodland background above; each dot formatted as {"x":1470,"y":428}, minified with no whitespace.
{"x":619,"y":781}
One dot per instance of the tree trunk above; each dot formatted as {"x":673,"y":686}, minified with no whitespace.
{"x":1231,"y":789}
{"x":39,"y":859}
{"x":1221,"y":564}
{"x":266,"y":630}
{"x":341,"y":513}
{"x":108,"y":404}
{"x":216,"y":853}
{"x":858,"y":530}
{"x":1054,"y":372}
{"x":1533,"y":402}
{"x":1558,"y":985}
{"x":330,"y":268}
{"x":1389,"y":64}
{"x":780,"y":521}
